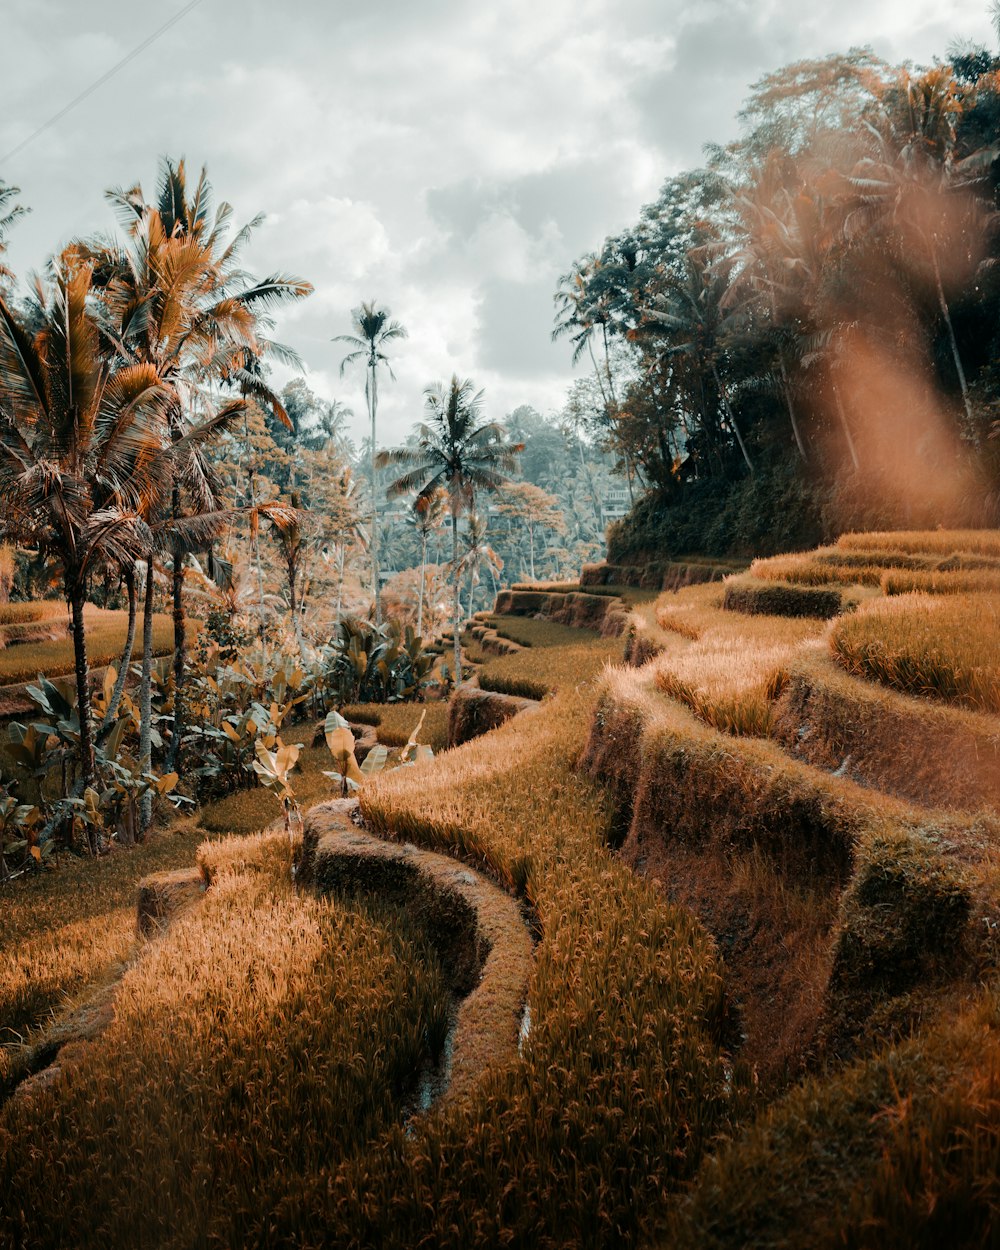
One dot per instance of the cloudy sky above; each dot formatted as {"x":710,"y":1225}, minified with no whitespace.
{"x":447,"y":158}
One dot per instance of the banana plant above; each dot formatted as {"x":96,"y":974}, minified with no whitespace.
{"x":273,"y":769}
{"x":120,"y":799}
{"x":340,"y":741}
{"x":18,"y":836}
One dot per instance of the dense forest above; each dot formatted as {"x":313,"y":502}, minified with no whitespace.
{"x":801,"y":336}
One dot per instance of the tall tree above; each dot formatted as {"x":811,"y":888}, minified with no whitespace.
{"x":82,"y":446}
{"x":458,"y":452}
{"x":9,"y":213}
{"x":373,"y":330}
{"x":176,"y":298}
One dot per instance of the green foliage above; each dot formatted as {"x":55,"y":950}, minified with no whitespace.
{"x":365,"y":663}
{"x":775,"y":510}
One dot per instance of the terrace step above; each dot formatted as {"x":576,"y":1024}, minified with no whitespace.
{"x":478,"y":929}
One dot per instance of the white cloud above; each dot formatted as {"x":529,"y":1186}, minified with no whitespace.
{"x":447,"y":159}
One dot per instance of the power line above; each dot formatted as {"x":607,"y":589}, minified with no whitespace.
{"x":99,"y":82}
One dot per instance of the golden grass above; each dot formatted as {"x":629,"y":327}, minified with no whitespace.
{"x":395,"y":722}
{"x":944,"y":647}
{"x":734,"y":665}
{"x":924,"y":751}
{"x":899,"y":1151}
{"x":62,"y":930}
{"x":687,"y":612}
{"x":948,"y":582}
{"x":814,"y":570}
{"x":35,"y":610}
{"x":105,"y":641}
{"x":249,"y":811}
{"x":537,"y":671}
{"x":624,"y":998}
{"x":925,"y":542}
{"x":530,"y":632}
{"x":265,"y":1039}
{"x":907,"y":875}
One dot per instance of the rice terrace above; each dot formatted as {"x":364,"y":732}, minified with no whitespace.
{"x":499,"y":729}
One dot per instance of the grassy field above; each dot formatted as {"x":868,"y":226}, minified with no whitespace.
{"x":626,"y":1018}
{"x":945,"y":647}
{"x":249,"y":811}
{"x":768,"y":1018}
{"x":105,"y":640}
{"x":395,"y":722}
{"x":62,"y":931}
{"x":225,"y":1078}
{"x":854,"y":925}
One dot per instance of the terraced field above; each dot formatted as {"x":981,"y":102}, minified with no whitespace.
{"x":760,"y":858}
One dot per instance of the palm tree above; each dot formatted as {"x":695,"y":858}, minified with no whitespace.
{"x":373,"y":329}
{"x":81,"y":450}
{"x":911,"y":189}
{"x":9,"y":213}
{"x":176,"y":299}
{"x":691,"y":311}
{"x":428,"y":513}
{"x":459,"y":453}
{"x":478,"y":555}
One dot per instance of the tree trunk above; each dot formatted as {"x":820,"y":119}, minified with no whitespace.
{"x":531,"y":548}
{"x":340,"y":582}
{"x":88,"y":763}
{"x":791,"y":407}
{"x":847,"y":429}
{"x":372,"y":406}
{"x":180,"y":652}
{"x":146,"y":700}
{"x":420,"y":590}
{"x":126,"y":660}
{"x":457,"y":613}
{"x":730,"y":418}
{"x":946,"y":313}
{"x":293,"y":600}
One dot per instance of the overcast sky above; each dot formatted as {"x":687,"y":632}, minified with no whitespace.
{"x":448,"y":158}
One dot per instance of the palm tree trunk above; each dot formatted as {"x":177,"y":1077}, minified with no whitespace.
{"x":88,"y":763}
{"x":180,"y":653}
{"x":340,"y":582}
{"x":730,"y":418}
{"x":847,"y":429}
{"x":146,"y":699}
{"x":458,"y":603}
{"x":607,"y":362}
{"x":946,"y":313}
{"x":126,"y":660}
{"x":791,"y":407}
{"x":377,"y":591}
{"x":420,"y":590}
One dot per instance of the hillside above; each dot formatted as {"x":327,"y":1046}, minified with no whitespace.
{"x":752,"y":829}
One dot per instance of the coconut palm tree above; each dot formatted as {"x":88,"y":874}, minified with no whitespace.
{"x":428,"y":513}
{"x":690,"y":311}
{"x":81,"y":450}
{"x":912,"y":191}
{"x":457,"y":452}
{"x":373,"y":329}
{"x":175,"y":297}
{"x":9,"y":213}
{"x":477,"y":556}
